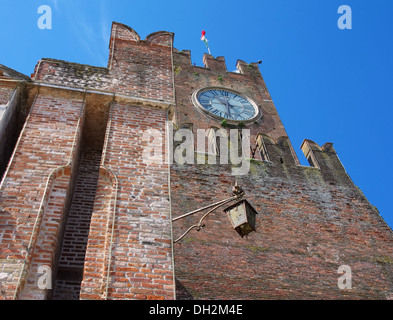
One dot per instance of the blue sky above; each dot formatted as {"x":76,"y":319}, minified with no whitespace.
{"x":329,"y":85}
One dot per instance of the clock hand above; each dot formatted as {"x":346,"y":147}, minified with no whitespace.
{"x":228,"y":107}
{"x":222,"y":101}
{"x":226,"y":104}
{"x":236,"y":110}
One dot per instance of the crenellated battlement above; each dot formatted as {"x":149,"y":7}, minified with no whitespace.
{"x":323,"y":159}
{"x":275,"y":151}
{"x":215,"y":65}
{"x":318,"y":156}
{"x":123,"y":32}
{"x":141,"y":69}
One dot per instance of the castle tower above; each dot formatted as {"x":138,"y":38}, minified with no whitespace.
{"x":91,"y":183}
{"x":77,"y":199}
{"x":313,"y":224}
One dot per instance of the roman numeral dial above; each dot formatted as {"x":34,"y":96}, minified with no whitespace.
{"x":226,"y":104}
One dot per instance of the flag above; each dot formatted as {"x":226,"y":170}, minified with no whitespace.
{"x":203,"y":38}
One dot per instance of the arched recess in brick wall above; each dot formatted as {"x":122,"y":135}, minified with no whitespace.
{"x":188,"y":126}
{"x":217,"y":140}
{"x":99,"y":245}
{"x":48,"y":232}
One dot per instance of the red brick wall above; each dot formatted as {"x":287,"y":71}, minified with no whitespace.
{"x":94,"y":285}
{"x":138,"y":68}
{"x":310,"y":222}
{"x":141,"y":253}
{"x":45,"y":252}
{"x":48,"y":141}
{"x":133,"y":193}
{"x":143,"y":68}
{"x":72,"y":254}
{"x":307,"y":227}
{"x":247,"y":80}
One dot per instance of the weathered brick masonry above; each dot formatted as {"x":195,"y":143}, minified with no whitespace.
{"x":46,"y":147}
{"x":310,"y":221}
{"x":141,"y":246}
{"x":78,"y":198}
{"x":308,"y":225}
{"x":73,"y":250}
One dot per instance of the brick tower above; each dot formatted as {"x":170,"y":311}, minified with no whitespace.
{"x":84,"y":214}
{"x":76,"y":198}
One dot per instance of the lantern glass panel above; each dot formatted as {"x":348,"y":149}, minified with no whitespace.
{"x":242,"y":216}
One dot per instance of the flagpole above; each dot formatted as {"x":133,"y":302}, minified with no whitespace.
{"x":203,"y":38}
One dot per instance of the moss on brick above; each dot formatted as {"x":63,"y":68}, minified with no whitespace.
{"x":256,"y":249}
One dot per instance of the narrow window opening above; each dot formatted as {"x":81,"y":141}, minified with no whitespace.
{"x":262,"y":151}
{"x":69,"y":271}
{"x":310,"y":161}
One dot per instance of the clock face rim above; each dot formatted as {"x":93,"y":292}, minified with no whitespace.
{"x":195,"y":100}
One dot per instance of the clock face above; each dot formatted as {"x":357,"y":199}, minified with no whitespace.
{"x":226,"y":104}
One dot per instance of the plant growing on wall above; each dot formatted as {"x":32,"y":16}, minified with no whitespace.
{"x":224,"y":123}
{"x":177,"y":69}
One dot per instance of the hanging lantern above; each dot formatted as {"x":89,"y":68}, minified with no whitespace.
{"x":242,"y":216}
